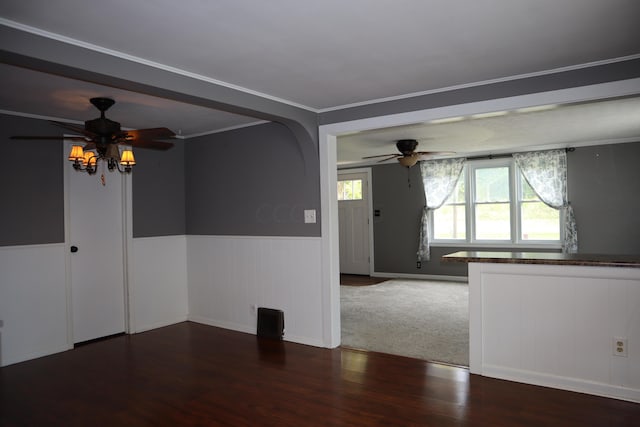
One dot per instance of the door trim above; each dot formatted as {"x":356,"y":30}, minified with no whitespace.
{"x":127,"y":239}
{"x":367,"y":172}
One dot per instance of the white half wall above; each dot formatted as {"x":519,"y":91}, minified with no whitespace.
{"x":158,"y":282}
{"x":33,"y":302}
{"x":555,"y":325}
{"x":231,"y":275}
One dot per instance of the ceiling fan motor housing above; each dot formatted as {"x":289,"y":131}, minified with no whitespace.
{"x":102,"y":127}
{"x":406,"y":146}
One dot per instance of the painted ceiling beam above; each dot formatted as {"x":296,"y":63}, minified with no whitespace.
{"x":81,"y":61}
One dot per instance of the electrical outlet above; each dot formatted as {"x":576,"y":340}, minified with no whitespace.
{"x":418,"y":264}
{"x":254,"y":309}
{"x":620,"y":346}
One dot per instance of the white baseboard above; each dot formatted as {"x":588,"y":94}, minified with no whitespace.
{"x":161,"y":324}
{"x":251,"y":330}
{"x":563,"y":383}
{"x":35,"y":355}
{"x":221,"y":324}
{"x":419,"y":276}
{"x":303,"y":340}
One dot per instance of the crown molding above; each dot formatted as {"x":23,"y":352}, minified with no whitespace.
{"x":64,"y":39}
{"x":483,"y":83}
{"x":40,"y":117}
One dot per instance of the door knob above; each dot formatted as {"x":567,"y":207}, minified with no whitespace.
{"x":74,"y":249}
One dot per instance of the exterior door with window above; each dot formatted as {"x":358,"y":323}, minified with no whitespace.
{"x":353,"y":215}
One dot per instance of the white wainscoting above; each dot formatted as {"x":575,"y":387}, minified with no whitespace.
{"x":33,"y":302}
{"x":158,"y":282}
{"x":230,"y":275}
{"x":554,"y":326}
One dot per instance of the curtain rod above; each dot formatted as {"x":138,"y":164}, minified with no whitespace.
{"x":500,"y":156}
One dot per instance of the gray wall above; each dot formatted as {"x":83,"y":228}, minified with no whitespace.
{"x":32,"y":187}
{"x":31,"y":184}
{"x":396,"y":229}
{"x":604,"y":189}
{"x":250,"y":181}
{"x":159,"y":192}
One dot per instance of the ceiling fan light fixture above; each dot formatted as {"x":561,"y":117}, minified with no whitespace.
{"x":101,"y":139}
{"x":76,"y":154}
{"x":112,"y":152}
{"x":408,"y":161}
{"x":89,"y":159}
{"x":127,"y":158}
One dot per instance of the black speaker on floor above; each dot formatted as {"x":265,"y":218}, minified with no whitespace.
{"x":270,"y":323}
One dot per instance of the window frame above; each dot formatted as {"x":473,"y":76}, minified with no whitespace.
{"x":353,"y":181}
{"x":515,"y":196}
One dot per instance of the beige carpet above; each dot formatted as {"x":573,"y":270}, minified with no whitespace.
{"x":428,"y":320}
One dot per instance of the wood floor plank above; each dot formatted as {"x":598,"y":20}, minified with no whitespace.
{"x":360,"y":280}
{"x":195,"y":375}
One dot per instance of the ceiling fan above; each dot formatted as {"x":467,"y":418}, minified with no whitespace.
{"x":104,"y":136}
{"x":407,"y":156}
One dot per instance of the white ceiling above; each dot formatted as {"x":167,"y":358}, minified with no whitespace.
{"x":321,"y":55}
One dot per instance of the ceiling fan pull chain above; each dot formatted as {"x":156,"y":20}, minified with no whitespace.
{"x":102,"y":179}
{"x":409,"y":177}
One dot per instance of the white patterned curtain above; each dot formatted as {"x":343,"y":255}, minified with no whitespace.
{"x":546,"y":173}
{"x":439,"y":179}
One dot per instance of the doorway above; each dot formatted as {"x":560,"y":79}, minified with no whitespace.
{"x":328,"y":166}
{"x":96,"y":253}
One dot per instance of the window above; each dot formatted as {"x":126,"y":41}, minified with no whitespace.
{"x":493,"y":204}
{"x":539,"y":221}
{"x":450,"y":220}
{"x":350,"y":189}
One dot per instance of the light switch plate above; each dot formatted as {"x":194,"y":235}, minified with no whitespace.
{"x":309,"y":216}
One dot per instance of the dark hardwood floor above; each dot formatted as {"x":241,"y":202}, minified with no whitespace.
{"x":360,"y":280}
{"x":195,"y":375}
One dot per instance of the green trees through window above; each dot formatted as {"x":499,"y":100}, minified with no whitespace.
{"x":350,"y":189}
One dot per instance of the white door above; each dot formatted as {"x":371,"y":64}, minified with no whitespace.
{"x":95,"y":228}
{"x":353,"y":216}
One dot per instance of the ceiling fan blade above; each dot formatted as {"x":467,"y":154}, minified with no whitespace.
{"x":395,"y":156}
{"x":383,"y":155}
{"x":152,"y":133}
{"x":153,"y":145}
{"x":71,"y":138}
{"x":74,"y":128}
{"x":89,"y":146}
{"x":435,"y":153}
